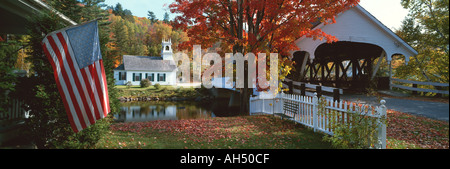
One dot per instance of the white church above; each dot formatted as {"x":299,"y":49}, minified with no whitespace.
{"x":157,"y":69}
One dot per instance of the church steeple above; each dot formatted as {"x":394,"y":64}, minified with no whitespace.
{"x":166,"y":51}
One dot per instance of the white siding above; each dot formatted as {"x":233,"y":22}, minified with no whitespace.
{"x":170,"y":77}
{"x":357,"y":25}
{"x":116,"y":76}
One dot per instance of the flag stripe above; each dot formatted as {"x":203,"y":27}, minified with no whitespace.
{"x":105,"y":84}
{"x":83,"y":80}
{"x":68,"y":83}
{"x":94,"y":88}
{"x":75,"y":56}
{"x":102,"y":84}
{"x":58,"y":84}
{"x":77,"y":78}
{"x":93,"y":72}
{"x":91,"y":94}
{"x":71,"y":74}
{"x":65,"y":91}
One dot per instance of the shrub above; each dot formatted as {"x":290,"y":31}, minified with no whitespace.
{"x":8,"y":77}
{"x":178,"y":90}
{"x":202,"y":90}
{"x":129,"y":84}
{"x":145,"y":83}
{"x":360,"y":132}
{"x":163,"y":89}
{"x":157,"y":86}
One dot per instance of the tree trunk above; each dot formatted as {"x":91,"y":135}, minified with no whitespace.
{"x":239,"y":48}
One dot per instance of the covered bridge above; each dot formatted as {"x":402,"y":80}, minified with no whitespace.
{"x":350,"y":62}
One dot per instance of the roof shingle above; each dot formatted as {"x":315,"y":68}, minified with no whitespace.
{"x":147,"y":63}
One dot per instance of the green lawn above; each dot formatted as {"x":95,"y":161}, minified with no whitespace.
{"x":246,"y":132}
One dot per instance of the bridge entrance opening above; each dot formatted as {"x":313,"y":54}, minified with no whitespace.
{"x":346,"y":65}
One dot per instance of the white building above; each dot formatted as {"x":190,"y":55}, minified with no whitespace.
{"x":157,"y":69}
{"x":353,"y":60}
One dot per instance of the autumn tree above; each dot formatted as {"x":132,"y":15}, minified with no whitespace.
{"x":255,"y":25}
{"x":426,"y":28}
{"x":128,"y":38}
{"x":160,"y":31}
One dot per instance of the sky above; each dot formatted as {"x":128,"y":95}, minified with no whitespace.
{"x":389,"y":12}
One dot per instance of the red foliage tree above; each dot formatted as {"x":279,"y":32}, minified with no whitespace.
{"x":269,"y":26}
{"x":255,"y":25}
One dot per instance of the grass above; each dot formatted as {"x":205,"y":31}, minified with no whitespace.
{"x":404,"y":131}
{"x":246,"y":132}
{"x":163,"y":91}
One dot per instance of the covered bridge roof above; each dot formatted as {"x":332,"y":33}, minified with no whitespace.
{"x":358,"y":25}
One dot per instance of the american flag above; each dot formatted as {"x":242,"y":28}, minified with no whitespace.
{"x":75,"y":56}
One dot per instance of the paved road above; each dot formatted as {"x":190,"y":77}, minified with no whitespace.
{"x":434,"y":110}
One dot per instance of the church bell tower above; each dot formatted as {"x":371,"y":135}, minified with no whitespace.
{"x":166,"y":52}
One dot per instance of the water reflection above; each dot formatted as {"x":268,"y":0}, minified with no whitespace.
{"x":148,"y":111}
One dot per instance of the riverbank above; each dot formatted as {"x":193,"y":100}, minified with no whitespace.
{"x":161,"y":93}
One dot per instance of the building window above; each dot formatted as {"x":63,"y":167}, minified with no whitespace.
{"x":150,"y":76}
{"x":137,"y":77}
{"x":161,"y":77}
{"x":122,"y":75}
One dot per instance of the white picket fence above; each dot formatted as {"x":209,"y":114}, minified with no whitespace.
{"x":14,"y":111}
{"x":305,"y":110}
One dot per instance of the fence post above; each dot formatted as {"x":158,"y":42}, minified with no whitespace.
{"x":414,"y":92}
{"x":291,"y":87}
{"x":382,"y":125}
{"x":315,"y":111}
{"x":336,"y":95}
{"x":303,"y":89}
{"x":319,"y":91}
{"x":280,"y":102}
{"x":251,"y":105}
{"x":263,"y":110}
